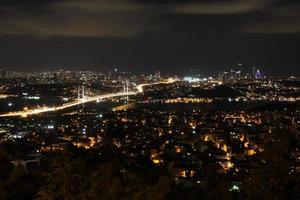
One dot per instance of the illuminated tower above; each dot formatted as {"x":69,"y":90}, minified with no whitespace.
{"x":257,"y":74}
{"x":127,"y":89}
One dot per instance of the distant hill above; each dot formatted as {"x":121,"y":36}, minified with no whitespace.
{"x":197,"y":92}
{"x":216,"y":92}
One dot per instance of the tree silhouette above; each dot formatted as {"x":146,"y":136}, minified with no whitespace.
{"x":64,"y":182}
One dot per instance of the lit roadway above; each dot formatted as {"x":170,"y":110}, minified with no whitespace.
{"x":25,"y":113}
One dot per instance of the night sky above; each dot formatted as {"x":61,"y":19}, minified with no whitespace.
{"x":144,"y":35}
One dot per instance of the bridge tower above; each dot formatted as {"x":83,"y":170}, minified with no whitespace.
{"x":83,"y":95}
{"x":80,"y":93}
{"x":126,"y":89}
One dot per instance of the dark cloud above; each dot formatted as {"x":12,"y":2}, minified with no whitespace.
{"x":222,"y":7}
{"x":18,"y":3}
{"x":143,"y":35}
{"x":281,"y":20}
{"x":121,"y":18}
{"x":89,"y":18}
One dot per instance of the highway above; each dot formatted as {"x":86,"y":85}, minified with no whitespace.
{"x":25,"y":113}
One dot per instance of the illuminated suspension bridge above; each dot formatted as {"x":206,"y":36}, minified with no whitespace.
{"x":83,"y":99}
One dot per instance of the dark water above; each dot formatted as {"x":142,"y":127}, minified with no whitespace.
{"x":18,"y":103}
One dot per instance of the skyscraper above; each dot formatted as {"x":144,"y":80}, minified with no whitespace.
{"x":3,"y":74}
{"x":253,"y":73}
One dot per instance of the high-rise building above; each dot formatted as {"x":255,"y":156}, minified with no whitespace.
{"x":258,"y":74}
{"x":3,"y":74}
{"x":253,"y":73}
{"x":238,"y":74}
{"x":157,"y":74}
{"x":224,"y":76}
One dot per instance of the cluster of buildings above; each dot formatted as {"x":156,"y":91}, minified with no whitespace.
{"x":193,"y":144}
{"x":235,"y":75}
